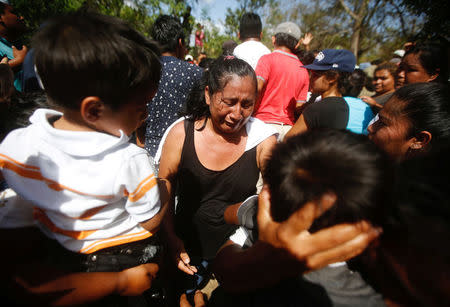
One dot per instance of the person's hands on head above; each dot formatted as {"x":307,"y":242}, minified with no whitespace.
{"x":337,"y":243}
{"x":136,"y":280}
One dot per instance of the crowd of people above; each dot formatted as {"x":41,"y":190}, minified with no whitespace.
{"x":259,"y":178}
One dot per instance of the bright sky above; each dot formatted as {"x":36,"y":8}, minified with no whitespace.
{"x":216,"y":9}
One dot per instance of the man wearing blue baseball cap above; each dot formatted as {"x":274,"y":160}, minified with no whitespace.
{"x":329,"y":75}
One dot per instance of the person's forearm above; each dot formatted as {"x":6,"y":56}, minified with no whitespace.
{"x":230,"y":214}
{"x":262,"y":265}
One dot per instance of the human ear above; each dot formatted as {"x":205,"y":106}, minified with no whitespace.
{"x":421,"y":140}
{"x":273,"y":40}
{"x":434,"y":76}
{"x":92,"y":109}
{"x":207,"y":97}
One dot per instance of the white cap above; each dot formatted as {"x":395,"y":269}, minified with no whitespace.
{"x":399,"y":52}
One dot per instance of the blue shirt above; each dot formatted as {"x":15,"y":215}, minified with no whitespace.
{"x":6,"y":50}
{"x":177,"y":79}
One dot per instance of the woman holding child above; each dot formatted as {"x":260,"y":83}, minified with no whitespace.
{"x":213,"y":158}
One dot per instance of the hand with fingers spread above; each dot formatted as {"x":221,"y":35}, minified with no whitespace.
{"x":306,"y":40}
{"x":333,"y":244}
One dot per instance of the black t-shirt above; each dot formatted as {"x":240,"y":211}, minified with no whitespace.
{"x":330,"y":112}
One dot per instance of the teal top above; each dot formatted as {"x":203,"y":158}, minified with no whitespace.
{"x":360,"y":114}
{"x":6,"y":50}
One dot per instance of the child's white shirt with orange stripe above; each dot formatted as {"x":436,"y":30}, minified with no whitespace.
{"x":90,"y":190}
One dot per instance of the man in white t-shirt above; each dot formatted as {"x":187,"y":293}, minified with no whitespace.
{"x":250,"y":33}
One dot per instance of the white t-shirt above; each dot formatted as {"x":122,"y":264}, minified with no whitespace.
{"x":90,"y":190}
{"x":251,"y":51}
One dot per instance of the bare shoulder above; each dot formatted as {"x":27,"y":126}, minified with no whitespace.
{"x":171,"y":151}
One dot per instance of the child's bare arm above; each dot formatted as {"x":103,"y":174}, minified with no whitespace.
{"x":154,"y":223}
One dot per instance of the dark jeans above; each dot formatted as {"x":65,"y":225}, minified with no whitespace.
{"x":114,"y":259}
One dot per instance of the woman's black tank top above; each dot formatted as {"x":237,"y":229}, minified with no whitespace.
{"x":203,"y":196}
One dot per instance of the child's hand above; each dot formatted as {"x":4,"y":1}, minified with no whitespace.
{"x":136,"y":280}
{"x":338,"y":243}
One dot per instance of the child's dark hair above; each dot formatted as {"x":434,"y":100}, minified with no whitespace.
{"x":354,"y":83}
{"x":167,"y":31}
{"x":434,"y":59}
{"x":250,"y":26}
{"x":427,"y":107}
{"x":216,"y":78}
{"x":286,"y":40}
{"x":308,"y":165}
{"x":85,"y":54}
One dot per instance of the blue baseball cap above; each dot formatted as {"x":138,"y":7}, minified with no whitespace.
{"x":337,"y":59}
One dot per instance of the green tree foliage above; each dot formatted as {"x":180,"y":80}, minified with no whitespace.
{"x":374,"y":28}
{"x":139,"y":13}
{"x":437,"y":17}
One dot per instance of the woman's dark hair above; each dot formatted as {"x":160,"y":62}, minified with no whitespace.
{"x":85,"y":54}
{"x":354,"y":83}
{"x":434,"y":59}
{"x":6,"y":84}
{"x":341,"y":76}
{"x":427,"y":106}
{"x":306,"y":57}
{"x":310,"y":164}
{"x":286,"y":40}
{"x":17,"y":113}
{"x":215,"y":78}
{"x":390,"y":67}
{"x":250,"y":26}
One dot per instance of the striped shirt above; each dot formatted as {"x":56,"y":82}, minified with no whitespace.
{"x":89,"y":190}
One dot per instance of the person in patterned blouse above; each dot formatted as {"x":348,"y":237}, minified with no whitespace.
{"x":177,"y":79}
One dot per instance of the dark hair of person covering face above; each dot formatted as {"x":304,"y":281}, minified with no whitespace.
{"x":286,"y":40}
{"x":250,"y":26}
{"x":167,"y":31}
{"x":434,"y":59}
{"x":354,"y":83}
{"x":427,"y":107}
{"x":85,"y":54}
{"x":216,"y":78}
{"x":318,"y":161}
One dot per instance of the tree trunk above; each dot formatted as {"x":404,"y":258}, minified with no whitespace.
{"x":355,"y":38}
